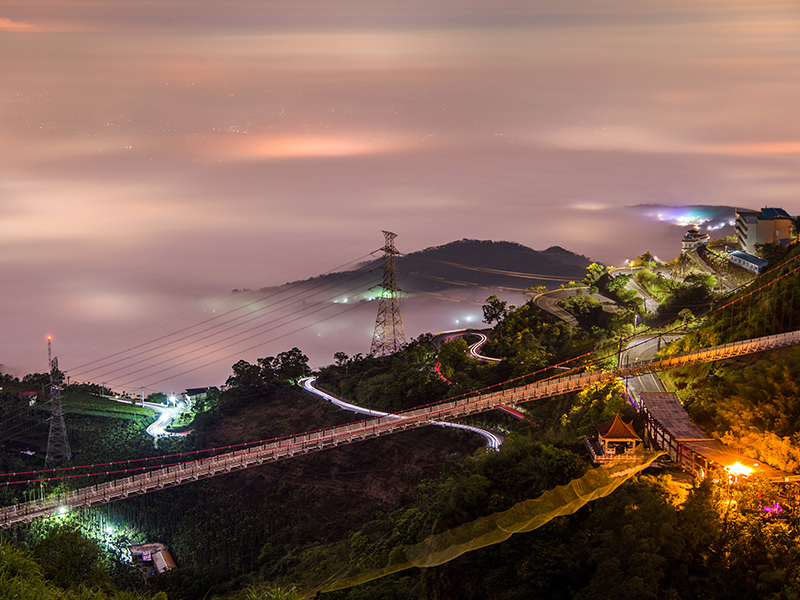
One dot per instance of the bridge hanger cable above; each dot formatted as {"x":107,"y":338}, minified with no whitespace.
{"x":265,"y":441}
{"x":567,"y":361}
{"x":605,"y":357}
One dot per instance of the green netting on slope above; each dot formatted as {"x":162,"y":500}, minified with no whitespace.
{"x":522,"y":517}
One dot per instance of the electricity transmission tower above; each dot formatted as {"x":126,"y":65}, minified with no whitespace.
{"x":388,"y":337}
{"x":58,"y":451}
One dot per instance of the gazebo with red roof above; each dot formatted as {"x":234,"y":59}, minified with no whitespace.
{"x":616,"y":440}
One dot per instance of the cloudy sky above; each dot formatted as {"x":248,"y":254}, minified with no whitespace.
{"x":155,"y":155}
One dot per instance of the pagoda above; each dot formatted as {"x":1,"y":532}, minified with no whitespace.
{"x":615,"y":441}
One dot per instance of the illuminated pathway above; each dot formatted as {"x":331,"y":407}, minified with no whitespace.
{"x":166,"y":414}
{"x":668,"y":425}
{"x":312,"y":441}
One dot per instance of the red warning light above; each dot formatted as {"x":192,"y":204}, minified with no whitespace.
{"x":49,"y":338}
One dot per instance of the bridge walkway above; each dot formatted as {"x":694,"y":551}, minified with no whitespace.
{"x":313,"y":441}
{"x":667,"y":424}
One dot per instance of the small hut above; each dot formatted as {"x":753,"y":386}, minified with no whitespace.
{"x":616,"y":440}
{"x":30,"y":397}
{"x":152,"y":558}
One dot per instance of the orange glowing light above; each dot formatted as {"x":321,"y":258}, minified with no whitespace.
{"x":738,"y":469}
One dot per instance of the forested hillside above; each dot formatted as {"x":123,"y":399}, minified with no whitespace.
{"x":311,"y":522}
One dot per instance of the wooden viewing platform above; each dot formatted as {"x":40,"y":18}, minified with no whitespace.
{"x":668,"y":426}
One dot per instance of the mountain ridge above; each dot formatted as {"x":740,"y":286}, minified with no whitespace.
{"x":470,"y":262}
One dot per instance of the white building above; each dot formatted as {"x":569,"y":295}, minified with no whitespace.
{"x":765,"y":226}
{"x":747,"y":261}
{"x":693,"y":239}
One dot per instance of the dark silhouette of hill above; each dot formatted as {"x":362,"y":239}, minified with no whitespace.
{"x":468,"y":263}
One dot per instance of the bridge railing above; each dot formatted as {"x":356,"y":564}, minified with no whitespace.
{"x":323,"y":438}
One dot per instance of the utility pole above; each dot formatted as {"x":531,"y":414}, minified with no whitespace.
{"x":389,"y":336}
{"x":58,"y":451}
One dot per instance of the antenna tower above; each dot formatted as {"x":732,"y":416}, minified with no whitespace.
{"x":388,"y":337}
{"x":57,"y":442}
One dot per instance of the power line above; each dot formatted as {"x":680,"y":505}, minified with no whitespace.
{"x":186,"y":314}
{"x":246,"y":318}
{"x":238,"y":352}
{"x":539,"y":276}
{"x":81,"y":369}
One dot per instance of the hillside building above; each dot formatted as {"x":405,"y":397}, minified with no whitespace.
{"x":693,"y":239}
{"x":30,"y":397}
{"x":151,"y":559}
{"x":748,"y":261}
{"x":765,"y":226}
{"x":195,"y":395}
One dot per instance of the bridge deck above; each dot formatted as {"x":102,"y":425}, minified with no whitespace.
{"x":669,"y":426}
{"x":668,"y":410}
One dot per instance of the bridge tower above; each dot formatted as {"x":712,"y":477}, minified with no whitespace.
{"x":58,"y":451}
{"x":388,"y":337}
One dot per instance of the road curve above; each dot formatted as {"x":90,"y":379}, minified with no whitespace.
{"x":157,"y":428}
{"x":493,"y":441}
{"x":642,"y":348}
{"x":473,"y":352}
{"x":548,"y":301}
{"x":449,"y":336}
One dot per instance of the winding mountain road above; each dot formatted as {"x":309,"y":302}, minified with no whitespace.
{"x":447,"y":336}
{"x":548,"y":301}
{"x":166,"y":414}
{"x":493,"y":440}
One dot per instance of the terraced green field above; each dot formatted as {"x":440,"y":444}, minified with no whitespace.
{"x":86,"y":404}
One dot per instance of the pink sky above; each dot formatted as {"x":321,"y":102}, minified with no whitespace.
{"x":155,"y":155}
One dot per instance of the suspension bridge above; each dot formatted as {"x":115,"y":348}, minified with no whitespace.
{"x":313,"y":441}
{"x":768,"y":305}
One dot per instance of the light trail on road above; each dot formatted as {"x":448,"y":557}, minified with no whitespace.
{"x":157,"y":428}
{"x":492,"y":441}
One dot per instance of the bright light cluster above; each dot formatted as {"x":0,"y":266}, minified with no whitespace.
{"x":712,"y":217}
{"x":738,"y":468}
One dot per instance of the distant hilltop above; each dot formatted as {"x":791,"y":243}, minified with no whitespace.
{"x":467,"y":262}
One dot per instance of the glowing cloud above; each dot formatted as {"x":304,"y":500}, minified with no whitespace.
{"x":266,"y":147}
{"x":759,"y":148}
{"x":9,"y":25}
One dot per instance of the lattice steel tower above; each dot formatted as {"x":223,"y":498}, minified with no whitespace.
{"x":388,"y":337}
{"x":58,"y":451}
